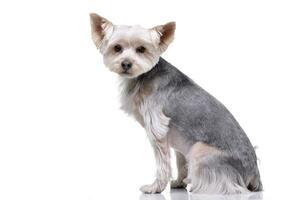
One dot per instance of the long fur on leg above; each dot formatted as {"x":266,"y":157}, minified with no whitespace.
{"x":213,"y":174}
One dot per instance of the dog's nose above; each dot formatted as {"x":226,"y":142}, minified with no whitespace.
{"x":126,"y":65}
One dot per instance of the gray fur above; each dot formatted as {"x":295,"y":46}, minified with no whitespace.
{"x":199,"y":117}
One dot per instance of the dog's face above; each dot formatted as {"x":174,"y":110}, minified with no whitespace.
{"x":130,"y":50}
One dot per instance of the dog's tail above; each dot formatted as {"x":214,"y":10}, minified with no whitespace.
{"x":254,"y":184}
{"x":216,"y":174}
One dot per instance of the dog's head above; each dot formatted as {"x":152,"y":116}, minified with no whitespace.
{"x":130,"y":50}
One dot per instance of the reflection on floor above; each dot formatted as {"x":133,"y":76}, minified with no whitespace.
{"x":181,"y":194}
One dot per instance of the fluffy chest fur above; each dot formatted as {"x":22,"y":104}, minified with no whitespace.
{"x":138,"y":99}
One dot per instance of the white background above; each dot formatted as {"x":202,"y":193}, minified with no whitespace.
{"x":62,"y":135}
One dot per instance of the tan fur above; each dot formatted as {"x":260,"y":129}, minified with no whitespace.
{"x":179,"y":143}
{"x":142,"y":94}
{"x":166,"y":33}
{"x":200,"y":149}
{"x":99,"y":26}
{"x":138,"y":99}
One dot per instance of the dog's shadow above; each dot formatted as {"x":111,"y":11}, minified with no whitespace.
{"x":182,"y":194}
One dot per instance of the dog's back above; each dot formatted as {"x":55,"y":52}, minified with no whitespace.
{"x":231,"y":166}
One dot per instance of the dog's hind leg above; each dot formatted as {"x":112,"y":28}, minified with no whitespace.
{"x":182,"y":171}
{"x":211,"y":172}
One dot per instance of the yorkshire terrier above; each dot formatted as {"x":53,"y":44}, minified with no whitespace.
{"x":213,"y":153}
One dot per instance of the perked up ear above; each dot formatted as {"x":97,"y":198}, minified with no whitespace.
{"x":100,"y":28}
{"x":165,"y":34}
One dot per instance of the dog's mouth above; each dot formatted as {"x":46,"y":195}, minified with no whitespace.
{"x":125,"y":74}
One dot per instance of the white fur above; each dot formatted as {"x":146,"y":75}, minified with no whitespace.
{"x":131,"y":37}
{"x":154,"y":121}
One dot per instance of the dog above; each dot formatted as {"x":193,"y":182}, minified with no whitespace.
{"x":213,"y":154}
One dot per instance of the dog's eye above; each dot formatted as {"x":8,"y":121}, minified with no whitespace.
{"x":118,"y":48}
{"x":141,"y":49}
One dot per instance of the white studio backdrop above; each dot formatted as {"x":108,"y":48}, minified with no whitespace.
{"x":62,"y":135}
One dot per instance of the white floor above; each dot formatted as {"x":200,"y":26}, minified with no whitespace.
{"x":184,"y":195}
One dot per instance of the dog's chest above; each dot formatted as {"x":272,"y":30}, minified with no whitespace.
{"x":149,"y":114}
{"x":139,"y":100}
{"x":135,"y":99}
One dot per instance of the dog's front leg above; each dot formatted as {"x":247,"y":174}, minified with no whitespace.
{"x":163,"y":171}
{"x":156,"y":125}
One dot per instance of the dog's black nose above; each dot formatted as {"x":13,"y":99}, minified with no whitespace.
{"x":126,"y":65}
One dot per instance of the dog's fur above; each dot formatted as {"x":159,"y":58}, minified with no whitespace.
{"x":213,"y":153}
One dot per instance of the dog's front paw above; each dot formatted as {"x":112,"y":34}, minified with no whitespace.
{"x":157,"y":187}
{"x":178,"y":184}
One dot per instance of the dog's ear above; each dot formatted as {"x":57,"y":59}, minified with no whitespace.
{"x":165,"y":34}
{"x":100,"y":27}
